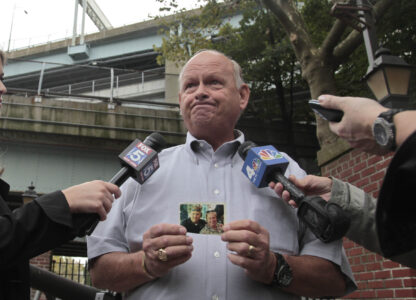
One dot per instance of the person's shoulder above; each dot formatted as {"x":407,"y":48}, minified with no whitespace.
{"x":172,"y":150}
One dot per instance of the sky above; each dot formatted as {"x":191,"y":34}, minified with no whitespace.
{"x":33,"y":22}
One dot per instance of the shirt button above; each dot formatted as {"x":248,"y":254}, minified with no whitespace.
{"x":216,"y":165}
{"x":215,"y":297}
{"x":216,"y":254}
{"x":201,"y":145}
{"x":216,"y":192}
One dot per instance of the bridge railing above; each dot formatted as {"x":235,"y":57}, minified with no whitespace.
{"x":88,"y":81}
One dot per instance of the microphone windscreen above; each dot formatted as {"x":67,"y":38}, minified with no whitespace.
{"x":244,"y":147}
{"x":155,"y":141}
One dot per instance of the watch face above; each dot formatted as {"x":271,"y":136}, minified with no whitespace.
{"x":286,"y":278}
{"x":380,"y":135}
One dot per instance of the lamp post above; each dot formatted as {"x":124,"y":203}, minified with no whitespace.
{"x":387,"y":76}
{"x":11,"y":26}
{"x":30,"y":194}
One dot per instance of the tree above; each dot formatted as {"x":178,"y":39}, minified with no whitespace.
{"x":258,"y":44}
{"x":325,"y":52}
{"x":320,"y":61}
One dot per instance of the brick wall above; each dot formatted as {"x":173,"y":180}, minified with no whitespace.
{"x":377,"y":277}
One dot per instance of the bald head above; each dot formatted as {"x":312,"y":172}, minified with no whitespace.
{"x":236,"y":67}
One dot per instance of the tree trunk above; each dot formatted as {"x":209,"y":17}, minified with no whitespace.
{"x":318,"y":64}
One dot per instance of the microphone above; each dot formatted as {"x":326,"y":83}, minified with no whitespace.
{"x":263,"y":164}
{"x":139,"y":161}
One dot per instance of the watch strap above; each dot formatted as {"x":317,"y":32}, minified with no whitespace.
{"x":282,"y":276}
{"x":388,"y":116}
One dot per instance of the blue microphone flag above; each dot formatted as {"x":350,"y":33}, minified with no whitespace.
{"x":260,"y":162}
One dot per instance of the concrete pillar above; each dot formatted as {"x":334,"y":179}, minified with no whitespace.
{"x":172,"y":71}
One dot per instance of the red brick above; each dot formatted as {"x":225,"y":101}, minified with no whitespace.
{"x":377,"y":177}
{"x":379,"y":284}
{"x":348,"y":244}
{"x":357,"y":268}
{"x":374,"y":159}
{"x":357,"y":260}
{"x":360,"y":166}
{"x":368,"y":294}
{"x":382,"y":274}
{"x":386,"y":294}
{"x":394,"y":283}
{"x":357,"y":159}
{"x":355,"y":295}
{"x":345,"y":166}
{"x":373,"y":267}
{"x":368,"y":258}
{"x":345,"y":157}
{"x":388,"y":264}
{"x":410,"y":282}
{"x":404,"y":272}
{"x":354,"y":178}
{"x":371,"y":187}
{"x":363,"y":182}
{"x":405,"y":293}
{"x":362,"y":285}
{"x":355,"y":251}
{"x":382,"y":165}
{"x":366,"y":276}
{"x":345,"y":174}
{"x":379,"y":257}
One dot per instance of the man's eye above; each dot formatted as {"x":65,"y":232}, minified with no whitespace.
{"x":189,"y":85}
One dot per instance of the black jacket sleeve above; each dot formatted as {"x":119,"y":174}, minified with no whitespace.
{"x":34,"y":228}
{"x":396,"y":207}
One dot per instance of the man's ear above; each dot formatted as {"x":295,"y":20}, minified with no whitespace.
{"x":244,"y":92}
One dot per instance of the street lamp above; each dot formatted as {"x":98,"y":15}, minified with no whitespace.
{"x":30,"y":194}
{"x":388,"y":76}
{"x":388,"y":79}
{"x":11,"y":26}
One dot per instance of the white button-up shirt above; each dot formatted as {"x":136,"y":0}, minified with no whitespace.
{"x":194,"y":173}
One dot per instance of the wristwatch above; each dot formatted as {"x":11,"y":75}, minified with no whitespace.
{"x":283,"y":275}
{"x":384,"y":131}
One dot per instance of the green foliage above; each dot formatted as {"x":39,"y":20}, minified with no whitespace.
{"x":258,"y":44}
{"x":261,"y":47}
{"x":316,"y":14}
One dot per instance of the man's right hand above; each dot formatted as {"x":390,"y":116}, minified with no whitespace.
{"x":172,"y":240}
{"x":310,"y":185}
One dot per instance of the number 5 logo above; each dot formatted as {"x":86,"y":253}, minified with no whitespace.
{"x":136,"y":155}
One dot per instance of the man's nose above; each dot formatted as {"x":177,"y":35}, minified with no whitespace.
{"x":201,"y":92}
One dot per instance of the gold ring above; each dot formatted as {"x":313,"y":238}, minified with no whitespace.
{"x":250,"y":250}
{"x":162,"y":255}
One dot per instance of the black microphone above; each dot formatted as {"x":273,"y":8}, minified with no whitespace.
{"x":264,"y":164}
{"x":139,"y":161}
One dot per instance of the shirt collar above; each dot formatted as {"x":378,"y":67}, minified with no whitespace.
{"x":194,"y":145}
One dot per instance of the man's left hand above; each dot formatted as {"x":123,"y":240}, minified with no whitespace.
{"x":250,"y":243}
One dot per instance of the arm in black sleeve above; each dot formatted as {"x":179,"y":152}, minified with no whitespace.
{"x":34,"y":228}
